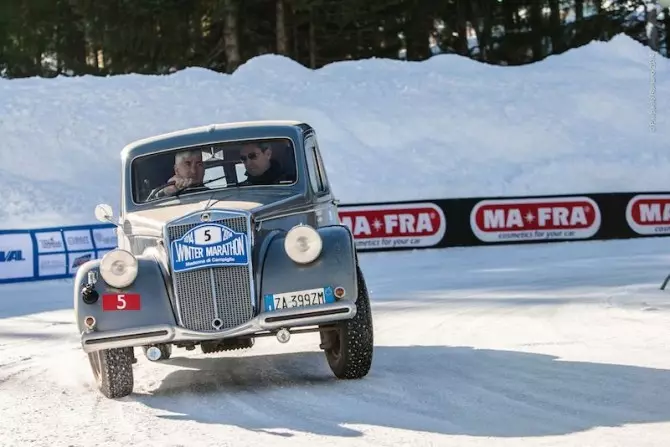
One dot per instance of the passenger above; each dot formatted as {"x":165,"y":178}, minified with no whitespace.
{"x":262,"y":169}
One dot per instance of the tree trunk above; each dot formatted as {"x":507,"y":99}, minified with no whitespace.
{"x":652,"y":30}
{"x":282,"y":37}
{"x":536,"y":23}
{"x":230,"y":34}
{"x":579,"y":10}
{"x":509,"y":12}
{"x":555,"y":26}
{"x":312,"y":39}
{"x":461,"y":28}
{"x":482,"y":17}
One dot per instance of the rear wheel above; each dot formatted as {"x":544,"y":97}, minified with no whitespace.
{"x":113,"y":371}
{"x":349,"y":347}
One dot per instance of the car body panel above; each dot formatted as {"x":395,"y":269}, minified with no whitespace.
{"x":336,"y":267}
{"x":153,"y":294}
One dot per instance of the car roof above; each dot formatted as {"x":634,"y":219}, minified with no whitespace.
{"x":212,"y":133}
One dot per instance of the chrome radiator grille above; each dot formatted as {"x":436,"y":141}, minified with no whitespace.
{"x":208,"y":294}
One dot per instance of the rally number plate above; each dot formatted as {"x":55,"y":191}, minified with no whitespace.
{"x":121,"y":301}
{"x":300,"y":298}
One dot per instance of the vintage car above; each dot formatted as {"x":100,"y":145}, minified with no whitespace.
{"x":252,"y":247}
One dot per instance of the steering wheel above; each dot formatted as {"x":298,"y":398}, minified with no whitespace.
{"x":152,"y":194}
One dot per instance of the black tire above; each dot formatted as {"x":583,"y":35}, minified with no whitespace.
{"x":113,"y":371}
{"x":349,"y":348}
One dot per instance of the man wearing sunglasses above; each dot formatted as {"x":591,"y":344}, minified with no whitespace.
{"x":262,"y":169}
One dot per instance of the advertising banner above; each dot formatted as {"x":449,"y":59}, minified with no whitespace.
{"x":535,"y":219}
{"x":77,"y":240}
{"x":412,"y":225}
{"x":104,"y":238}
{"x":53,"y":253}
{"x":649,"y":214}
{"x":52,"y":265}
{"x":16,"y":256}
{"x":50,"y":242}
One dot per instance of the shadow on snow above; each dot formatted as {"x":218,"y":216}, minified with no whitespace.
{"x":438,"y":389}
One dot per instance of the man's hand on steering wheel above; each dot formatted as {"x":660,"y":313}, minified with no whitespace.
{"x":177,"y":184}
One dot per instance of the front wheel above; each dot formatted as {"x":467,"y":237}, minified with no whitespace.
{"x":113,"y":371}
{"x":350,"y":345}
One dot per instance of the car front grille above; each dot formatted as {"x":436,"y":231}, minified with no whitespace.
{"x":206,"y":294}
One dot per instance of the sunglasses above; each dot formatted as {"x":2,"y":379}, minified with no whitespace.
{"x":251,"y":156}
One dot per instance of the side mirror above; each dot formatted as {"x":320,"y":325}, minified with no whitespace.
{"x":104,"y":213}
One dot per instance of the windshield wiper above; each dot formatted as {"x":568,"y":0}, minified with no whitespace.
{"x":235,"y":184}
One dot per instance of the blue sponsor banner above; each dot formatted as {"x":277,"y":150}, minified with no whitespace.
{"x":52,"y":253}
{"x":209,"y":245}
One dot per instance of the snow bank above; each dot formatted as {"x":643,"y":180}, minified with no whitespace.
{"x":389,"y":130}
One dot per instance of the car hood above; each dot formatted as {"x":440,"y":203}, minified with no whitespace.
{"x":151,"y":222}
{"x":165,"y":213}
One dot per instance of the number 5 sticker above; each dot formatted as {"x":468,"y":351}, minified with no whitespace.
{"x":121,"y":301}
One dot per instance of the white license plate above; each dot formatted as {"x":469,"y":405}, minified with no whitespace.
{"x":300,"y":298}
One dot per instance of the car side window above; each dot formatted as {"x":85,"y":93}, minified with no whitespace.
{"x":312,"y":165}
{"x":320,"y":167}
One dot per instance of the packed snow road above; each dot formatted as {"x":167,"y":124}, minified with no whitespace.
{"x":563,"y":344}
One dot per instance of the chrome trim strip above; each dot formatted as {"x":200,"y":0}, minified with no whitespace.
{"x":168,"y":249}
{"x":142,"y":336}
{"x":252,"y":284}
{"x":212,"y":282}
{"x":260,"y":220}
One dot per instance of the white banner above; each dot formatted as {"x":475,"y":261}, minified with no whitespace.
{"x":52,"y":265}
{"x":78,"y":240}
{"x":50,"y":242}
{"x":649,"y":214}
{"x":105,"y":238}
{"x":16,"y":256}
{"x":77,"y":259}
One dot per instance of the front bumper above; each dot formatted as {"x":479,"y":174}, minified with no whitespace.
{"x":267,"y":321}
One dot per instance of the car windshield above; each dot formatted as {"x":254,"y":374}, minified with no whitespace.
{"x":215,"y":166}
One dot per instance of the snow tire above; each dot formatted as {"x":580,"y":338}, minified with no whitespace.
{"x":349,"y":348}
{"x":113,"y":371}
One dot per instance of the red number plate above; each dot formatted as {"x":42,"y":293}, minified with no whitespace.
{"x":121,"y":301}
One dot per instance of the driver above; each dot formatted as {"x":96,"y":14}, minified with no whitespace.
{"x":189,"y":172}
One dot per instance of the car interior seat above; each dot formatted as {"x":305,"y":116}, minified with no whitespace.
{"x":285,"y":155}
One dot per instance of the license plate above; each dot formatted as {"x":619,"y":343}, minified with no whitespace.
{"x":300,"y":298}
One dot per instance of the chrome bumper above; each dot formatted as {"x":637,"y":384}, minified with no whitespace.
{"x":267,"y":321}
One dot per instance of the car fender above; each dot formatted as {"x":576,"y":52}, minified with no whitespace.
{"x":155,"y":306}
{"x":335,"y":266}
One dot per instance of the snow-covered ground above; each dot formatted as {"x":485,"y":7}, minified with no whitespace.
{"x":542,"y":345}
{"x":545,"y":345}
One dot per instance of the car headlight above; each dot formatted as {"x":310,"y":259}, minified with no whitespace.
{"x":303,"y":244}
{"x":118,"y":268}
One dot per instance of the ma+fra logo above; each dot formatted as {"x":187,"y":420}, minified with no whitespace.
{"x":11,"y":256}
{"x":209,"y":245}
